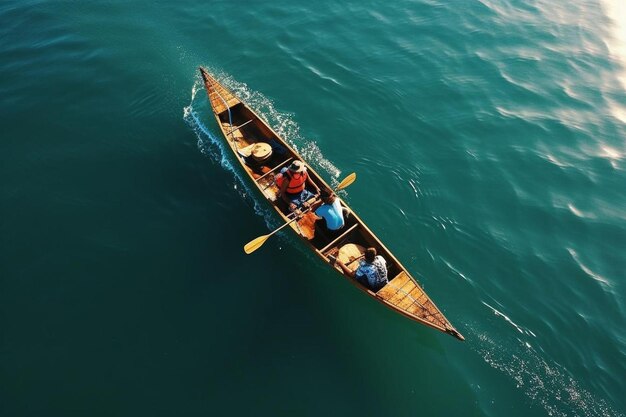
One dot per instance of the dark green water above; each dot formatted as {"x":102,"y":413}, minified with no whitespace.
{"x":488,"y":139}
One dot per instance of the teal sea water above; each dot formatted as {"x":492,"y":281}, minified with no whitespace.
{"x":489,"y":142}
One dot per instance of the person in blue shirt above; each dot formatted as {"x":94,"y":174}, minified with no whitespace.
{"x":371,"y":273}
{"x":331,"y":211}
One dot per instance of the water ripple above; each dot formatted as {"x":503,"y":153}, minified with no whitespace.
{"x":546,"y":384}
{"x":597,"y":277}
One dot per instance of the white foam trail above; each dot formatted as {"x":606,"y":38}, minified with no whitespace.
{"x":283,"y":124}
{"x":210,"y":144}
{"x":546,"y":384}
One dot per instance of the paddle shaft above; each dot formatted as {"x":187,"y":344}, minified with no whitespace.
{"x":259,"y":241}
{"x":289,"y":222}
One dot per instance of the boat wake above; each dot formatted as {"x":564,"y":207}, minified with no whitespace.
{"x":213,"y":147}
{"x":546,"y":384}
{"x":210,"y":143}
{"x":282,"y":123}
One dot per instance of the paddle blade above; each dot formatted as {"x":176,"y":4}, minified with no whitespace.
{"x":255,"y":244}
{"x":346,"y":181}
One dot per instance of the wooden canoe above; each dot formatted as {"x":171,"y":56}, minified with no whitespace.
{"x":242,"y":129}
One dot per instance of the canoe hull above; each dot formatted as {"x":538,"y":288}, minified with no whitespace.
{"x":241,"y":127}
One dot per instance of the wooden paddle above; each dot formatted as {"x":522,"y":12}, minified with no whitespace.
{"x":259,"y":241}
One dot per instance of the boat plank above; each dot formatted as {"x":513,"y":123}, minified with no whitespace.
{"x":276,"y":168}
{"x":401,"y":292}
{"x":408,"y":300}
{"x":391,"y":288}
{"x":413,"y":303}
{"x":339,"y":238}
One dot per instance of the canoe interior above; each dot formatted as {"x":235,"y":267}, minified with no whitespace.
{"x":243,"y":128}
{"x":255,"y":131}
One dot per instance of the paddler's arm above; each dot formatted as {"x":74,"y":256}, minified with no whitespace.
{"x":345,"y":269}
{"x":312,"y":184}
{"x":283,"y":195}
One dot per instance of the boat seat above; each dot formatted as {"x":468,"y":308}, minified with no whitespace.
{"x":349,"y":254}
{"x":306,"y":225}
{"x":227,"y":127}
{"x":339,"y":238}
{"x":236,"y":132}
{"x":270,"y":190}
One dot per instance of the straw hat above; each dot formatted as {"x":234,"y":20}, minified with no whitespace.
{"x":296,"y":166}
{"x":261,"y":151}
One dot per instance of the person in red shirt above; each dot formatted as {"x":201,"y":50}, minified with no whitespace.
{"x":292,"y":184}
